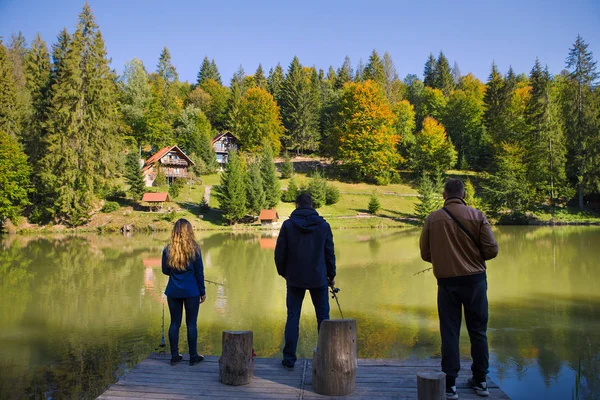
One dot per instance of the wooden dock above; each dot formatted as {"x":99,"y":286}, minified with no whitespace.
{"x":155,"y":378}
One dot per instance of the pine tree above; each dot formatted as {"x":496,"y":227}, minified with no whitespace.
{"x":275,"y":82}
{"x":17,"y":50}
{"x":133,"y":175}
{"x":235,"y":101}
{"x":214,"y":72}
{"x":344,"y":74}
{"x":496,"y":105}
{"x":165,"y":68}
{"x":259,"y":78}
{"x":38,"y":74}
{"x":14,"y":178}
{"x":9,"y":112}
{"x":360,"y":70}
{"x":165,"y":87}
{"x":582,"y":71}
{"x":428,"y":198}
{"x":255,"y":194}
{"x":82,"y":141}
{"x":317,"y":188}
{"x":429,"y":71}
{"x":300,"y":107}
{"x":443,"y":75}
{"x":231,"y":192}
{"x":208,"y":70}
{"x":391,"y":76}
{"x":375,"y":70}
{"x":287,"y":167}
{"x":456,"y":73}
{"x":268,"y":171}
{"x":374,"y":204}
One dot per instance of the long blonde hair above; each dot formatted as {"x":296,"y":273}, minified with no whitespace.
{"x":183,"y":248}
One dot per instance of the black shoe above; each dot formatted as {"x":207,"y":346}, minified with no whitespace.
{"x":176,"y":359}
{"x":451,"y":393}
{"x":196,"y":359}
{"x":480,"y":387}
{"x":286,"y":364}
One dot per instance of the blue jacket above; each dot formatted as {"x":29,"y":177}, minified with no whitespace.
{"x":186,"y":283}
{"x":304,"y":254}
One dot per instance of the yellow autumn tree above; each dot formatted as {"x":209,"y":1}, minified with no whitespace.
{"x":259,"y":121}
{"x":433,"y":151}
{"x":365,"y":135}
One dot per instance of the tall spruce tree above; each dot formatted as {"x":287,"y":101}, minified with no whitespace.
{"x":9,"y":112}
{"x":429,"y":199}
{"x":582,"y":72}
{"x":429,"y":71}
{"x":391,"y":76}
{"x":259,"y":78}
{"x":300,"y":107}
{"x":456,"y":73}
{"x":133,"y":175}
{"x":38,"y":74}
{"x":82,"y":141}
{"x":235,"y":100}
{"x":360,"y":71}
{"x":268,"y":172}
{"x":344,"y":74}
{"x":255,"y":194}
{"x":375,"y":70}
{"x":443,"y":79}
{"x":17,"y":51}
{"x":275,"y":82}
{"x":231,"y":192}
{"x":208,"y":70}
{"x":496,"y":105}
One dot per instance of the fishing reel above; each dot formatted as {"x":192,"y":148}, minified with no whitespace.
{"x":334,"y":291}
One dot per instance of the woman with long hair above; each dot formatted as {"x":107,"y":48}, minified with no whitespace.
{"x":182,"y":261}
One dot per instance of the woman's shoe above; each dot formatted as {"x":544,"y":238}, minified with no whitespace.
{"x":176,"y":359}
{"x":196,"y":359}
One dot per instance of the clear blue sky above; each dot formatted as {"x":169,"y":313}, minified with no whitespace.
{"x":321,"y":33}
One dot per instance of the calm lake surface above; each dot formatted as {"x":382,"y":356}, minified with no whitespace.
{"x":77,"y":312}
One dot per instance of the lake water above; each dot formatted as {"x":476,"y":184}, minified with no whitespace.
{"x":77,"y":312}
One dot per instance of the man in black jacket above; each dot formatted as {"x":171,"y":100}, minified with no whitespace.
{"x":304,"y":256}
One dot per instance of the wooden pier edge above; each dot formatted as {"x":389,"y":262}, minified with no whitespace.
{"x":384,"y":379}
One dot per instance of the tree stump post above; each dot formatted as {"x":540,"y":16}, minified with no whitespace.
{"x":334,"y":361}
{"x":236,"y":365}
{"x":431,"y":385}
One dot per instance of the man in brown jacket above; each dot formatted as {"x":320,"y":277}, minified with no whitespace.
{"x":458,"y":240}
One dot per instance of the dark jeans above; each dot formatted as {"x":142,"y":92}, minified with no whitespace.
{"x":192,"y":305}
{"x":451,"y":300}
{"x":295,"y":296}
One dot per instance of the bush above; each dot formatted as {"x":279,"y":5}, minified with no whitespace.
{"x":170,"y":216}
{"x":382,"y":179}
{"x":332,"y":195}
{"x":395,"y":178}
{"x":374,"y":204}
{"x":110,"y":206}
{"x":161,"y":178}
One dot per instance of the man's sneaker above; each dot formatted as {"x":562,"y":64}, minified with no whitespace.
{"x":480,"y":387}
{"x":286,"y":364}
{"x":196,"y":359}
{"x":451,"y":393}
{"x":176,"y":359}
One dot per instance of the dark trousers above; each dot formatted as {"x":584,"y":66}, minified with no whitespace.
{"x":451,"y":300}
{"x":192,"y":305}
{"x":295,"y":296}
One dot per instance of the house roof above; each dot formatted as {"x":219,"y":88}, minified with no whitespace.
{"x":159,"y":197}
{"x":267,"y":242}
{"x":161,"y":153}
{"x":220,"y":135}
{"x":268,"y":215}
{"x":152,"y":262}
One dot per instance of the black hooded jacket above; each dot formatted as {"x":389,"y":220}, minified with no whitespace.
{"x":304,"y":254}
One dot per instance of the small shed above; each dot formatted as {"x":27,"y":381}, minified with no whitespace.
{"x":268,"y":217}
{"x":156,"y":199}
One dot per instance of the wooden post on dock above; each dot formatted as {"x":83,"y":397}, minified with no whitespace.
{"x":236,"y":365}
{"x":431,"y":385}
{"x":334,"y":361}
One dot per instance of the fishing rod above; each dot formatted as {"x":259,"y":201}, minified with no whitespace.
{"x":334,"y":292}
{"x":215,"y":283}
{"x":420,"y":272}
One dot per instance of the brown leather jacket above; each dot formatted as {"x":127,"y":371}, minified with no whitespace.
{"x":450,"y":250}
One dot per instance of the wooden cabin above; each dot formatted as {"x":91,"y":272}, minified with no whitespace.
{"x":156,"y":200}
{"x":268,"y":217}
{"x":222,"y":143}
{"x":171,"y":160}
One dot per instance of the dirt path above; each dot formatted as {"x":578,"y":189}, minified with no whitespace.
{"x":207,"y":189}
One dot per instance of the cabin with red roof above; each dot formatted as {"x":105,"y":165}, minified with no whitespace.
{"x":171,"y":160}
{"x":222,"y":143}
{"x":268,"y":217}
